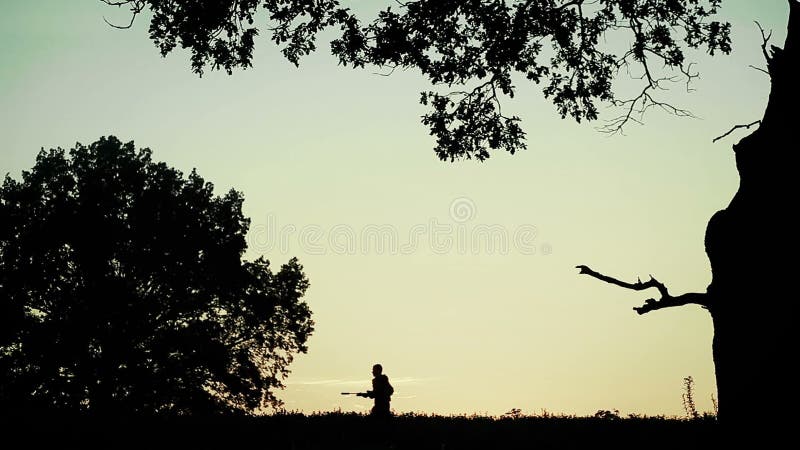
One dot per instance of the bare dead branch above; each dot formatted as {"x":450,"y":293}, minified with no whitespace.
{"x":757,"y":122}
{"x":759,"y":69}
{"x":765,"y":37}
{"x":638,"y":286}
{"x":692,"y":298}
{"x":666,"y":300}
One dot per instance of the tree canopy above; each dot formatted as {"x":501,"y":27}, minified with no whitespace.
{"x":476,"y":49}
{"x":122,"y":288}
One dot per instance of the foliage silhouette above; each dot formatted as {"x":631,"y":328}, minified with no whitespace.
{"x":473,"y":47}
{"x":123,"y":290}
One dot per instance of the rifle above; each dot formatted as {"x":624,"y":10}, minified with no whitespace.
{"x":360,"y":394}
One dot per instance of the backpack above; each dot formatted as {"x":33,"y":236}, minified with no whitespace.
{"x":389,"y":388}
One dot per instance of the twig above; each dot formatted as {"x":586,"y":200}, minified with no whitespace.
{"x":757,"y":122}
{"x":765,"y":40}
{"x":136,"y":8}
{"x":392,"y":68}
{"x":759,"y":69}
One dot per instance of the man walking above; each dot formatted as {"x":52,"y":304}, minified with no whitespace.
{"x":381,"y":392}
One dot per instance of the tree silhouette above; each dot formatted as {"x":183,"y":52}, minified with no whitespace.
{"x":475,"y":48}
{"x":123,"y":290}
{"x":747,"y":245}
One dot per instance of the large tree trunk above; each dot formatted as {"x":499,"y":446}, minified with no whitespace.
{"x":750,"y":245}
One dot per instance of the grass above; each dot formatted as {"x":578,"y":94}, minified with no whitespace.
{"x":354,"y":431}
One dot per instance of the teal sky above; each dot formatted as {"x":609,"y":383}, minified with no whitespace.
{"x":335,"y":154}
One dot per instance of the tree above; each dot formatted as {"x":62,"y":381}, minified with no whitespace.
{"x":123,"y":290}
{"x":747,"y":298}
{"x":475,"y":48}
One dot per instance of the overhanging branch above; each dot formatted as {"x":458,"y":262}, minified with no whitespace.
{"x":666,"y":300}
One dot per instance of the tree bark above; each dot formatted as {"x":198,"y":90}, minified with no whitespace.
{"x":749,"y":245}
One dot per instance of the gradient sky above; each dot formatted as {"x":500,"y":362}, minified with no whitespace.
{"x":326,"y":156}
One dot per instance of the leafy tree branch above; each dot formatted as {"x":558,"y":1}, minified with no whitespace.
{"x":557,"y":44}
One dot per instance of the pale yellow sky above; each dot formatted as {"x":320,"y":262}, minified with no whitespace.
{"x":328,"y":157}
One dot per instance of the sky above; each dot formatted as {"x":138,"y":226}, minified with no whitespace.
{"x":459,"y":278}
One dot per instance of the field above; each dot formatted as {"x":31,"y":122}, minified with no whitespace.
{"x":354,"y":431}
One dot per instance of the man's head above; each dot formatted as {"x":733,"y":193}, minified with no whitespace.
{"x":377,"y":369}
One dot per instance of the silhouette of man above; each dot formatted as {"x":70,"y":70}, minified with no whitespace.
{"x":381,"y":392}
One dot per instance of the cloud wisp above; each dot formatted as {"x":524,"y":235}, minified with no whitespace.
{"x":338,"y":382}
